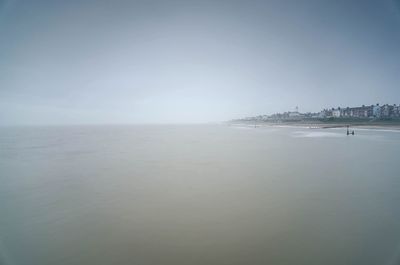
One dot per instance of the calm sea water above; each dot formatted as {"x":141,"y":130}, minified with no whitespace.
{"x":198,"y":195}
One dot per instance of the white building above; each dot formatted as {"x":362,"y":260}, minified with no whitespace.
{"x":294,"y":114}
{"x":336,"y":113}
{"x":376,"y":111}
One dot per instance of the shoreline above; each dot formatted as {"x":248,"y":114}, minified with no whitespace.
{"x":395,"y":127}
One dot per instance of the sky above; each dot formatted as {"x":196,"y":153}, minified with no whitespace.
{"x":100,"y":62}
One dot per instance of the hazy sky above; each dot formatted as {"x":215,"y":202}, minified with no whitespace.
{"x":66,"y":62}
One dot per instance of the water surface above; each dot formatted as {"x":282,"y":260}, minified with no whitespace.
{"x":200,"y":194}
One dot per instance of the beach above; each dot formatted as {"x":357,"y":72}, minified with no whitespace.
{"x":380,"y":125}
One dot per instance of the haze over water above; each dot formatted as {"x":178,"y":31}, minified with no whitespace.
{"x":185,"y":61}
{"x":201,"y":194}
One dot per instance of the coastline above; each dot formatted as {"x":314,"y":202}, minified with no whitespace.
{"x":322,"y":125}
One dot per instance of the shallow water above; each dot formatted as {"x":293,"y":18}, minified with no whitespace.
{"x":200,"y":194}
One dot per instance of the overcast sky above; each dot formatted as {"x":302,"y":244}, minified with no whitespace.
{"x":74,"y":62}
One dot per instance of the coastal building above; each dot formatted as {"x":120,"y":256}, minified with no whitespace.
{"x":326,"y":113}
{"x":396,"y":110}
{"x":386,"y":111}
{"x":345,"y":112}
{"x":336,"y":113}
{"x":357,"y":112}
{"x":372,"y":111}
{"x":362,"y":112}
{"x":294,"y":114}
{"x":376,"y":111}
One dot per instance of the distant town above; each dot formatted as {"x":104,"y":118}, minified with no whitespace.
{"x":362,"y":114}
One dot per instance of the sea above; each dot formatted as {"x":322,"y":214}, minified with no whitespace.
{"x":198,"y":194}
